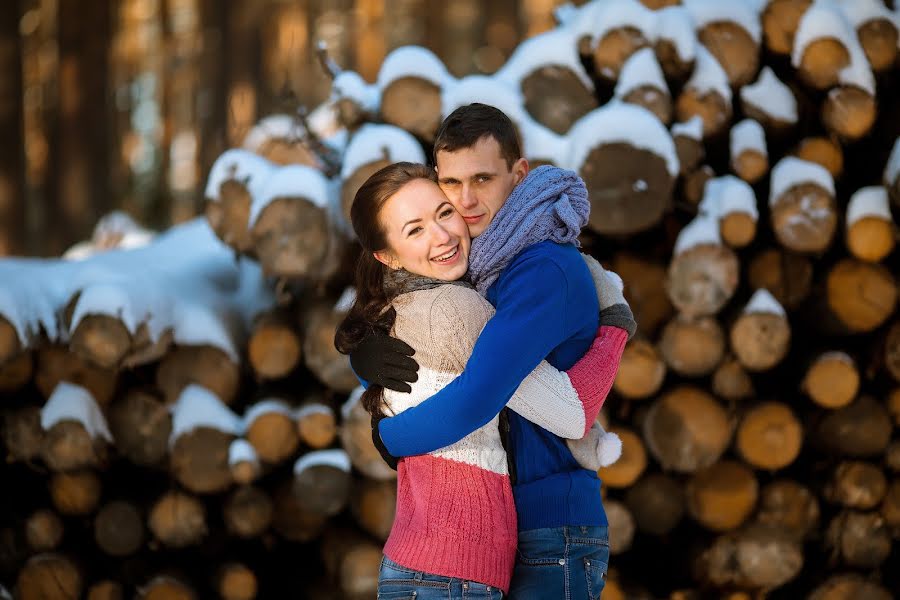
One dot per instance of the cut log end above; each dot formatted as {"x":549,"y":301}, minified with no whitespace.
{"x":229,"y":215}
{"x":102,"y":340}
{"x":878,"y":38}
{"x":750,"y":165}
{"x":780,"y":20}
{"x":43,"y":530}
{"x":788,"y":276}
{"x":832,"y":381}
{"x":653,"y":99}
{"x":641,"y":370}
{"x":10,"y":345}
{"x":805,"y":218}
{"x":317,"y":430}
{"x":737,"y":229}
{"x":236,"y":582}
{"x":556,"y":97}
{"x":860,"y":540}
{"x":625,"y":471}
{"x":770,"y":436}
{"x":722,"y":496}
{"x":76,"y":493}
{"x":274,"y":436}
{"x":247,"y":512}
{"x":119,"y":529}
{"x":657,"y":503}
{"x":206,"y":366}
{"x":822,"y":61}
{"x":760,"y":340}
{"x":839,"y":587}
{"x":709,"y":106}
{"x":351,"y":185}
{"x":621,"y":527}
{"x":413,"y":104}
{"x":790,"y":507}
{"x":291,"y":238}
{"x":731,"y":381}
{"x":690,"y":153}
{"x":857,"y":484}
{"x":824,"y":151}
{"x":274,"y":349}
{"x":733,"y":48}
{"x":374,"y":504}
{"x":692,"y":347}
{"x":702,"y":279}
{"x":614,"y":49}
{"x":178,"y":520}
{"x":849,"y":112}
{"x":49,"y":577}
{"x":199,"y":460}
{"x":871,"y":238}
{"x":862,"y":295}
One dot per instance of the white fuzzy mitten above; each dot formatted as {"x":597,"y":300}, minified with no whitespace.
{"x":599,"y":448}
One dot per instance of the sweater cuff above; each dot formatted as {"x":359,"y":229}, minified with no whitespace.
{"x":619,"y":315}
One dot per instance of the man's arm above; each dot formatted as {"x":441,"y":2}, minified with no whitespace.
{"x":528,"y":325}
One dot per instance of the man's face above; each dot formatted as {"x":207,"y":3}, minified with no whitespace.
{"x":477,"y":181}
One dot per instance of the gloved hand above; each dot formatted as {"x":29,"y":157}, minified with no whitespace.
{"x":614,"y":309}
{"x":385,"y":361}
{"x":599,"y":448}
{"x":379,"y":443}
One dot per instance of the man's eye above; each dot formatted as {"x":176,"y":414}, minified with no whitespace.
{"x":483,"y":179}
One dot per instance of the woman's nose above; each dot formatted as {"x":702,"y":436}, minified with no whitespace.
{"x":440,"y":235}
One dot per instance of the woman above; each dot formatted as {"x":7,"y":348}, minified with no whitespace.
{"x":454,"y":534}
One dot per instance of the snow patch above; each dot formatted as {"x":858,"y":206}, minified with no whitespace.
{"x":412,"y":61}
{"x":597,"y":19}
{"x":375,"y":142}
{"x":70,"y":402}
{"x":241,"y":451}
{"x":351,"y":402}
{"x":709,"y":76}
{"x":791,"y":171}
{"x":240,"y":165}
{"x":557,"y":47}
{"x":641,"y":69}
{"x":726,"y":195}
{"x":747,"y":135}
{"x":771,"y":96}
{"x":674,"y":24}
{"x":703,"y":230}
{"x":620,"y":122}
{"x":313,"y":408}
{"x":334,"y":458}
{"x":351,"y":85}
{"x":892,"y":168}
{"x":291,"y":181}
{"x":860,"y":12}
{"x":198,"y":407}
{"x":283,"y":127}
{"x":264,"y":407}
{"x":869,"y":201}
{"x":692,"y":128}
{"x":763,"y":301}
{"x":837,"y":355}
{"x":705,"y":12}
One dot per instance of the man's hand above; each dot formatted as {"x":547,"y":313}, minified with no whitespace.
{"x":385,"y":361}
{"x":614,"y":309}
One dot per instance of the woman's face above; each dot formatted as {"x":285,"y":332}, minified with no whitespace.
{"x":425,"y":234}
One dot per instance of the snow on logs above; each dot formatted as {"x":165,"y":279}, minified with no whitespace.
{"x":761,"y":335}
{"x":730,"y":30}
{"x":733,"y":203}
{"x":769,"y":101}
{"x":320,"y":321}
{"x":706,"y":94}
{"x":871,"y":231}
{"x":410,"y":82}
{"x":802,"y":204}
{"x":628,"y":162}
{"x":641,"y":82}
{"x":749,"y":157}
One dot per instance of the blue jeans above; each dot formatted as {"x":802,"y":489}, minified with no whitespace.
{"x":396,"y":582}
{"x":564,"y":563}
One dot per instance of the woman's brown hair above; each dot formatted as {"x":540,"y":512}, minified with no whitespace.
{"x":372,"y":310}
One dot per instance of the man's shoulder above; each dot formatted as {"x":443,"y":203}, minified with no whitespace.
{"x":546,"y":254}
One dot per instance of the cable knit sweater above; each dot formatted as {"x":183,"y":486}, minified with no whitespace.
{"x":455,"y":511}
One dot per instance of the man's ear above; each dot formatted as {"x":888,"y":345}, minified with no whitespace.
{"x":386,"y":259}
{"x":520,"y":169}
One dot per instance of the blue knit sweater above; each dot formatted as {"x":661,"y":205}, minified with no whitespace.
{"x":546,"y":309}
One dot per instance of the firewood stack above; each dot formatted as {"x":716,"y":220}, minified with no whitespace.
{"x":179,"y":424}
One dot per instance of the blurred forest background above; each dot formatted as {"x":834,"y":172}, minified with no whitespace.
{"x":126,"y":103}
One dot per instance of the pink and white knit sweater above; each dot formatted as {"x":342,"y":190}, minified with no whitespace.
{"x":455,"y":511}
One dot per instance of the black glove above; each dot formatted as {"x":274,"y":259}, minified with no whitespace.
{"x":385,"y":361}
{"x":379,"y":444}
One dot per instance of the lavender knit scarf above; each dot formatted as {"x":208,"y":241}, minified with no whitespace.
{"x":550,"y":204}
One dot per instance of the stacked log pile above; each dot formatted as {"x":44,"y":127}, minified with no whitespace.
{"x":180,"y":409}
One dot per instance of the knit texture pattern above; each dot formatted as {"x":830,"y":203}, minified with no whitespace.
{"x":455,"y":510}
{"x":550,"y":204}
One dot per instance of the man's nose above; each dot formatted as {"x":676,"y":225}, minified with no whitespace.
{"x":467,"y":197}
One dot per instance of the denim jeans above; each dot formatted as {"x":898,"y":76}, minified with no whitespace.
{"x":564,"y":563}
{"x":396,"y":582}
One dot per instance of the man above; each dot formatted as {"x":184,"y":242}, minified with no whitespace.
{"x":546,"y":308}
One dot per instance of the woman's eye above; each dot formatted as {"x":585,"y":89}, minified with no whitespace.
{"x":446,"y":213}
{"x":414,"y":231}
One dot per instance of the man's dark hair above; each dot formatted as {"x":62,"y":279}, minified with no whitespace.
{"x":466,"y":125}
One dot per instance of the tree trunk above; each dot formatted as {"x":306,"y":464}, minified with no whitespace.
{"x":12,"y":158}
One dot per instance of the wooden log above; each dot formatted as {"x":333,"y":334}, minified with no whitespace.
{"x":319,"y":354}
{"x":686,"y":429}
{"x":101,"y":339}
{"x":790,"y":507}
{"x":832,"y":380}
{"x":822,"y":150}
{"x":730,"y":381}
{"x":235,"y":179}
{"x":292,"y":520}
{"x":243,"y":462}
{"x":756,"y":557}
{"x":749,"y":156}
{"x":641,"y":371}
{"x":761,"y":335}
{"x":703,"y":275}
{"x":621,"y":526}
{"x":356,"y":439}
{"x":780,"y":19}
{"x":871,"y":233}
{"x":56,"y":364}
{"x":849,"y":112}
{"x":353,"y":563}
{"x":106,"y":590}
{"x":657,"y":503}
{"x":890,"y":508}
{"x":769,"y":436}
{"x":822,"y":61}
{"x":802,"y":204}
{"x":707,"y":95}
{"x":141,"y":424}
{"x":851,"y":585}
{"x":68,"y":446}
{"x":692,"y":346}
{"x":770,"y":102}
{"x":352,"y":182}
{"x":625,"y":471}
{"x":613,"y":49}
{"x":892,"y":362}
{"x":247,"y":512}
{"x":732,"y":203}
{"x":236,"y":581}
{"x":274,"y":347}
{"x":43,"y":530}
{"x":722,"y":496}
{"x":322,"y":481}
{"x":178,"y":520}
{"x":861,"y":295}
{"x":49,"y":577}
{"x":695,"y":183}
{"x":861,"y":429}
{"x":316,"y":424}
{"x":892,"y":456}
{"x":76,"y":493}
{"x":556,"y":98}
{"x":413,"y":104}
{"x":145,"y":349}
{"x":119,"y":528}
{"x":688,"y":138}
{"x":878,"y":38}
{"x":644,"y":289}
{"x":282,"y":140}
{"x":374,"y":505}
{"x":163,"y":587}
{"x":857,"y":484}
{"x":734,"y":48}
{"x":16,"y":372}
{"x":206,"y":366}
{"x":199,"y":460}
{"x":641,"y":83}
{"x":271,"y":430}
{"x":787,"y":275}
{"x":859,"y":539}
{"x":23,"y":436}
